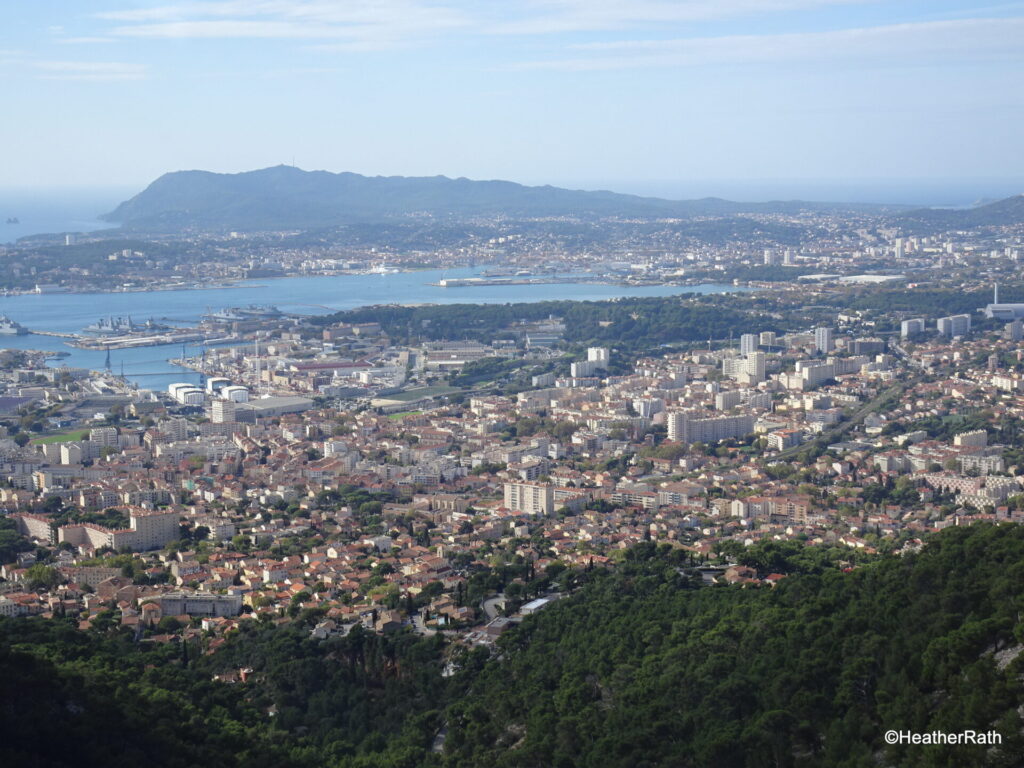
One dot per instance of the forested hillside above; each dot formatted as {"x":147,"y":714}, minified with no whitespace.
{"x":69,"y":698}
{"x":643,"y":669}
{"x":287,"y":197}
{"x":631,"y":321}
{"x":643,"y":666}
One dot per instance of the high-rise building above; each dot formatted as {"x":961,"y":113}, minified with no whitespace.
{"x":868,"y":346}
{"x":954,"y":325}
{"x":103,"y":435}
{"x":824,"y":339}
{"x":530,"y":498}
{"x":729,"y":399}
{"x":810,"y":374}
{"x":756,"y":362}
{"x":223,"y":412}
{"x":148,"y":529}
{"x":582,"y":368}
{"x":748,"y":343}
{"x":175,"y":428}
{"x":911,"y":327}
{"x":749,"y":369}
{"x":598,"y":355}
{"x":543,"y":380}
{"x":685,"y":427}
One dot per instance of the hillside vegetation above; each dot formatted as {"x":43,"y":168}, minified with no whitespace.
{"x":641,"y":667}
{"x":284,"y":197}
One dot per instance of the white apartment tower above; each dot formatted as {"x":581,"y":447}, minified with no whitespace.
{"x":954,"y":325}
{"x":824,"y":339}
{"x":911,"y":327}
{"x":748,"y":343}
{"x":223,"y":411}
{"x":536,"y":499}
{"x":684,"y":427}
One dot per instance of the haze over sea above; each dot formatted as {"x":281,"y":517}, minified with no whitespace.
{"x":45,"y":211}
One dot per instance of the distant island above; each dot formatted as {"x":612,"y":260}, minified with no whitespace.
{"x":284,"y":197}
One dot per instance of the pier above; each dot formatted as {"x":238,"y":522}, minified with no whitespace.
{"x":129,"y":342}
{"x":474,"y":282}
{"x":56,"y":334}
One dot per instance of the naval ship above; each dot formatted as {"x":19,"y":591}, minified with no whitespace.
{"x":10,"y":328}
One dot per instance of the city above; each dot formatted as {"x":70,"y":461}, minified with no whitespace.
{"x":376,"y":481}
{"x":560,"y":384}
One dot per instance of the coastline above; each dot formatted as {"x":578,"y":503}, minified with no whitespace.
{"x":242,"y":282}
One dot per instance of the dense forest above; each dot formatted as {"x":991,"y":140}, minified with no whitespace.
{"x":11,"y":542}
{"x":70,"y":698}
{"x":642,"y":666}
{"x":928,"y":303}
{"x":632,"y":321}
{"x":643,"y":669}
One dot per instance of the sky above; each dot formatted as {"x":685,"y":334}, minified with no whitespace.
{"x":637,"y":95}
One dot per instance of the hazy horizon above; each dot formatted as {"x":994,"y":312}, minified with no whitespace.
{"x":908,"y":191}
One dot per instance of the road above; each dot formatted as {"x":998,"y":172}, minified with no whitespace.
{"x":420,"y":627}
{"x":871,"y":406}
{"x":490,"y":606}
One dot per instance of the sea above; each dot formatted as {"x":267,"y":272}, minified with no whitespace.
{"x":149,"y":367}
{"x":43,"y":211}
{"x":40,"y":211}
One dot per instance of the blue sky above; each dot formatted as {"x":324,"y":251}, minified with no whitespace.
{"x":585,"y":92}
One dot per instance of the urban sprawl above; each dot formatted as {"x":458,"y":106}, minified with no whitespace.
{"x":323,"y":466}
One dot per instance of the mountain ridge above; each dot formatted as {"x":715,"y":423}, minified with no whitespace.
{"x":1009,"y":210}
{"x":284,"y":197}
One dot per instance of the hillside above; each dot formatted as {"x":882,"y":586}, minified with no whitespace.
{"x":285,"y":197}
{"x":641,"y":667}
{"x":1000,"y":213}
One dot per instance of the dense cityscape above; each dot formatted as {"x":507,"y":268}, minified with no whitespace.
{"x":559,"y":384}
{"x":448,"y":472}
{"x":323,"y":466}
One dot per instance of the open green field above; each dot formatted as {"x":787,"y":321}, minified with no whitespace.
{"x":397,"y":416}
{"x":65,"y":437}
{"x":416,"y":394}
